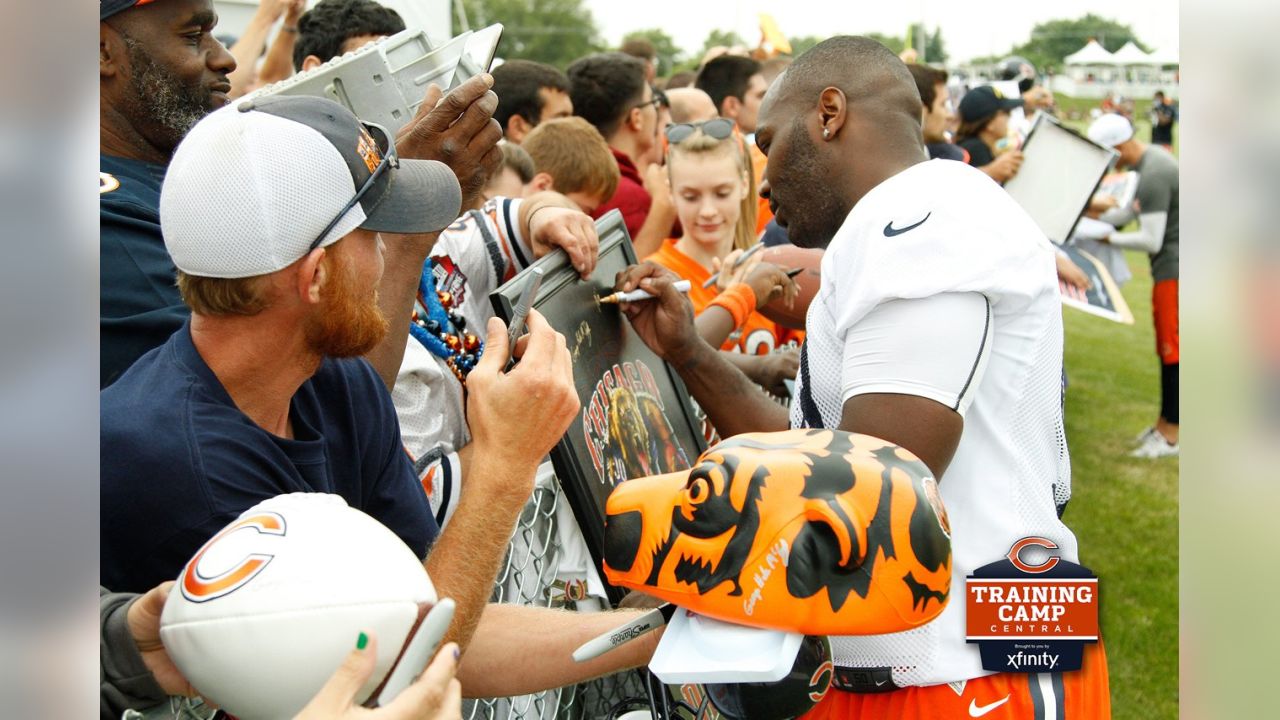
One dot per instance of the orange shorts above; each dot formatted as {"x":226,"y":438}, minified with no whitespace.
{"x":1082,"y":695}
{"x":1164,"y":306}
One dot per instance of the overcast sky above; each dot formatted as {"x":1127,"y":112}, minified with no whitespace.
{"x":969,"y":29}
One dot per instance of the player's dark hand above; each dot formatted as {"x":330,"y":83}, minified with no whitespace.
{"x":769,"y":371}
{"x":459,"y":131}
{"x":770,"y":282}
{"x":665,"y":323}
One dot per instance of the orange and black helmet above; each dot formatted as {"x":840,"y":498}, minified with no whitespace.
{"x":821,"y":532}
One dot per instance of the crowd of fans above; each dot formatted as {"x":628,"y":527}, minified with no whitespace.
{"x":263,"y":332}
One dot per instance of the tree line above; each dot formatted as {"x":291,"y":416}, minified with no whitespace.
{"x":557,"y":32}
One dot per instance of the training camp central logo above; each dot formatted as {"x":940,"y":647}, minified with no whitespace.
{"x":1033,"y":611}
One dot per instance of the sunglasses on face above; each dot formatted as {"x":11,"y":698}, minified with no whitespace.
{"x":656,"y":101}
{"x":389,"y":159}
{"x":716,"y":128}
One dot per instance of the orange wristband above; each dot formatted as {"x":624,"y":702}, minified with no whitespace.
{"x":739,"y":300}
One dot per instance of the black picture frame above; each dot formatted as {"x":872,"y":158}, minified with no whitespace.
{"x":619,"y":379}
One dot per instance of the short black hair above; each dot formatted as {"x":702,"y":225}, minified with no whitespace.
{"x":927,"y":81}
{"x":604,"y":87}
{"x":324,"y":29}
{"x":517,"y":82}
{"x":726,"y":76}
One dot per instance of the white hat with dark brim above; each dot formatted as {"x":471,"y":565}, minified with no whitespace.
{"x":254,"y":186}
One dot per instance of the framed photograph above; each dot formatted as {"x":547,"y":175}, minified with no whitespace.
{"x":636,"y":417}
{"x":1060,"y":171}
{"x":1103,"y":298}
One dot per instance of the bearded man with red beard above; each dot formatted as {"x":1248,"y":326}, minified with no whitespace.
{"x":273,"y":212}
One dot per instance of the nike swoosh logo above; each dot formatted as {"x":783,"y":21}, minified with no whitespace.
{"x":891,"y":231}
{"x":976,"y":710}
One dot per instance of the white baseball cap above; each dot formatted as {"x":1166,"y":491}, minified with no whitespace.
{"x":1110,"y":130}
{"x":258,"y":185}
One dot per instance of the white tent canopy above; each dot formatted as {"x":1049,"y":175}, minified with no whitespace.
{"x":1131,"y":54}
{"x":1163,"y":56}
{"x":1090,"y":54}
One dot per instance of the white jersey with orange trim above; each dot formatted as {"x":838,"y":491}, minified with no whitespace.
{"x":472,"y":258}
{"x":939,"y":285}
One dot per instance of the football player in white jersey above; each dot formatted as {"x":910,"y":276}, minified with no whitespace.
{"x":937,"y":327}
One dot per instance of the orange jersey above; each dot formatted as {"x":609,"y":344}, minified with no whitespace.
{"x":758,"y":335}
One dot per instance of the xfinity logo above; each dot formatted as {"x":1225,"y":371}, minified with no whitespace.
{"x":1040,"y":661}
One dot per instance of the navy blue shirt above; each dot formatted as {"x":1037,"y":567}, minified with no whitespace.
{"x":180,"y":461}
{"x":947,"y":151}
{"x":140,"y":304}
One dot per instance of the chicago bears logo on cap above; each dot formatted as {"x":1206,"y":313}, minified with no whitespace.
{"x":368,"y":150}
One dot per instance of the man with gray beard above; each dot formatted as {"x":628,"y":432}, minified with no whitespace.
{"x":161,"y":70}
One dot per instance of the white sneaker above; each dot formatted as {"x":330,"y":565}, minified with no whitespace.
{"x":1143,"y":436}
{"x":1155,"y":446}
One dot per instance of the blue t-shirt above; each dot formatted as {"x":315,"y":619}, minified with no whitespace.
{"x":140,"y":304}
{"x":180,"y":461}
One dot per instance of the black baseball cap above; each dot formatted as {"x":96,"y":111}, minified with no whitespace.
{"x":982,"y":102}
{"x":107,"y":8}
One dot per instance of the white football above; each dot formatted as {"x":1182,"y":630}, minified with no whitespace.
{"x":271,"y":605}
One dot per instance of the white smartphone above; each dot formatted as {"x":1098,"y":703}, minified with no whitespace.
{"x":418,"y":652}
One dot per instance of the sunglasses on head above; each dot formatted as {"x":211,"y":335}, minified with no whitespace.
{"x":717,"y":128}
{"x":389,"y":159}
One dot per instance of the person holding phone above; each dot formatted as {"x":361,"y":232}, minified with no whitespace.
{"x":137,"y":673}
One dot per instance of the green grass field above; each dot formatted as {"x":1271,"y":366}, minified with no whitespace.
{"x":1124,"y":511}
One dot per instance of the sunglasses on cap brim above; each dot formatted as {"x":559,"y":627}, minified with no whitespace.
{"x":389,"y":159}
{"x":716,"y":128}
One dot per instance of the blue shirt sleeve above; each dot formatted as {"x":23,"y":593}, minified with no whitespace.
{"x":140,"y":304}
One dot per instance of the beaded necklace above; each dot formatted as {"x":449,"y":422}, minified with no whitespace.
{"x":443,"y":331}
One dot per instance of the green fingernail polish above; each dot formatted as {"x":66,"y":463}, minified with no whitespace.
{"x":362,"y":642}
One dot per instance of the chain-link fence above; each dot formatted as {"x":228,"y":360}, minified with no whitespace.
{"x":533,"y":574}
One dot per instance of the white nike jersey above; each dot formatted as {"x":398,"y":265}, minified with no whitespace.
{"x":944,"y":227}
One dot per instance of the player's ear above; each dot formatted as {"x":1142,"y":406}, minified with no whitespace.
{"x":832,"y":110}
{"x":311,"y":62}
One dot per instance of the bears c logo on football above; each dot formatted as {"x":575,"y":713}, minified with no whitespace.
{"x":198,"y":587}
